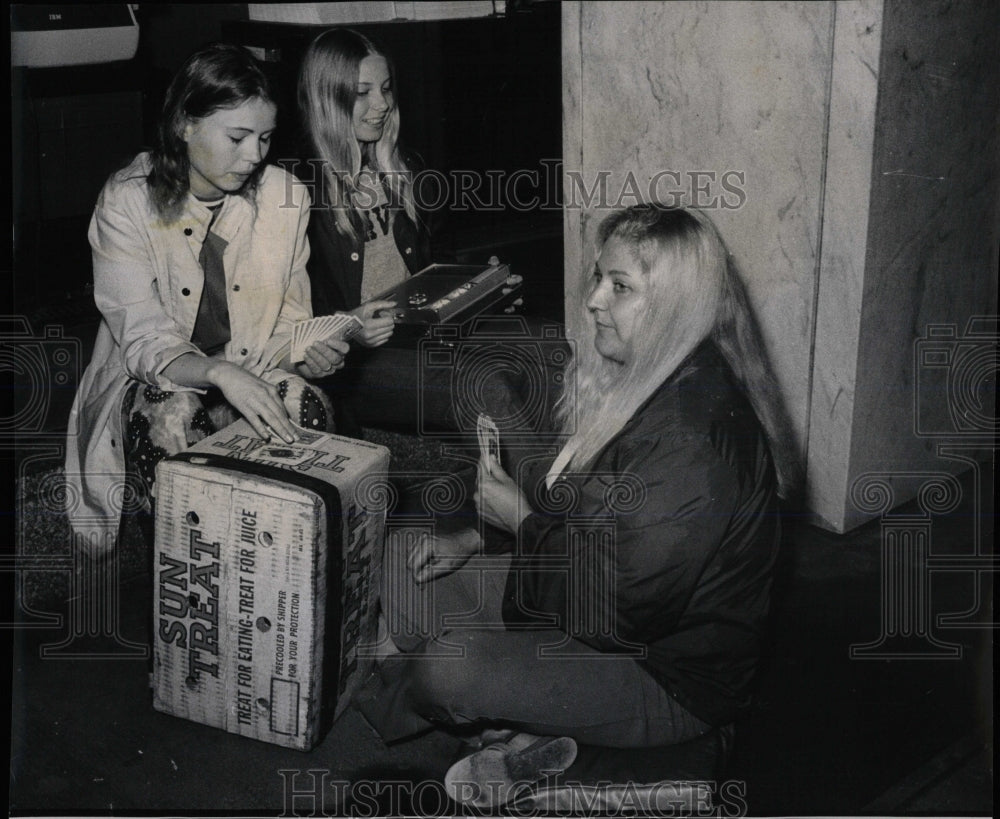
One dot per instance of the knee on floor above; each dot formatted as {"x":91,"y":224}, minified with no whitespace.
{"x":450,"y":672}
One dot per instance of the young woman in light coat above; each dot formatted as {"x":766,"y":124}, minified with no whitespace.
{"x":199,"y":253}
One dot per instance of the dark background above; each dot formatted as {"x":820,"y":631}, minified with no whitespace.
{"x":475,"y":95}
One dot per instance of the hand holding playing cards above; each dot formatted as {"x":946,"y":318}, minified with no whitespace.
{"x":333,"y":331}
{"x":437,"y":555}
{"x":323,"y":358}
{"x":376,"y":330}
{"x":499,"y":499}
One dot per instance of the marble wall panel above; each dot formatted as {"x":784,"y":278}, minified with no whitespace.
{"x":723,"y":104}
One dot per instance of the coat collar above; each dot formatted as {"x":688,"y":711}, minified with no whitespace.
{"x":705,"y":355}
{"x":236,"y":211}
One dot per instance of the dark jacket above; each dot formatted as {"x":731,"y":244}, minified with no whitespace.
{"x":689,"y":539}
{"x":337,"y":262}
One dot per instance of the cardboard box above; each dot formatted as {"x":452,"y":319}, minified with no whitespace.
{"x":266,"y":571}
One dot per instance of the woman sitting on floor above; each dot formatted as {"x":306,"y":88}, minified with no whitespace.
{"x":624,"y":607}
{"x":199,"y":253}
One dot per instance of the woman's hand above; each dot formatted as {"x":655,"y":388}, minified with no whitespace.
{"x":499,"y":499}
{"x":377,"y":329}
{"x":254,"y":399}
{"x":323,"y":358}
{"x":436,"y":556}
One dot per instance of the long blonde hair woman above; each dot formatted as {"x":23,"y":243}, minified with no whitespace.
{"x":701,"y":297}
{"x":328,"y":95}
{"x":367,"y":234}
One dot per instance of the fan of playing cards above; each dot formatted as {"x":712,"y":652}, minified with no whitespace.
{"x":338,"y":326}
{"x":489,"y":440}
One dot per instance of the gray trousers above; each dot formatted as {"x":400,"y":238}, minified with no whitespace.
{"x":460,"y":668}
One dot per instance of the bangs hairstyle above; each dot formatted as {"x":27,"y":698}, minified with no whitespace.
{"x":327,"y":92}
{"x":218,"y":76}
{"x":695,"y":293}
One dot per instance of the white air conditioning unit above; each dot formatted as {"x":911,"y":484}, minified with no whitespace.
{"x":72,"y":34}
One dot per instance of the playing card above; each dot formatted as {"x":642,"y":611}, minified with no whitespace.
{"x":489,"y":440}
{"x":305,"y":333}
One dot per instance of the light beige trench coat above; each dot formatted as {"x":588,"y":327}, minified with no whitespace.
{"x":147,"y":285}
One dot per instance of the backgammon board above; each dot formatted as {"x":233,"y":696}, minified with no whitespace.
{"x":443,"y":293}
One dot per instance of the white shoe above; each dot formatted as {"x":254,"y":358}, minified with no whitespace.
{"x":501,"y":771}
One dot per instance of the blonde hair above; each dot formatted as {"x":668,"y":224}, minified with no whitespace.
{"x":327,"y":91}
{"x":695,"y":293}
